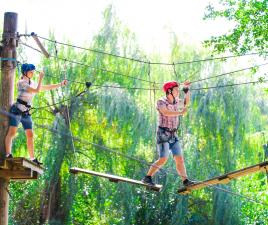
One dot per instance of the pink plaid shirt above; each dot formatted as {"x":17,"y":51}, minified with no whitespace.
{"x":171,"y":122}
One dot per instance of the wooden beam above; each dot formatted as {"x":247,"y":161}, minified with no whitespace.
{"x":16,"y":173}
{"x":116,"y":179}
{"x":38,"y":42}
{"x":26,"y":174}
{"x":223,"y":179}
{"x":34,"y":176}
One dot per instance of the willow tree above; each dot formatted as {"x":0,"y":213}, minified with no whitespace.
{"x":217,"y":135}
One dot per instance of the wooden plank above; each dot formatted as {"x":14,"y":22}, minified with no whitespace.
{"x":20,"y":168}
{"x":33,"y":166}
{"x":22,"y":163}
{"x":184,"y":191}
{"x":114,"y":178}
{"x":245,"y":171}
{"x":223,"y":179}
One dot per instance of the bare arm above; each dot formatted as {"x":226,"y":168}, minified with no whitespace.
{"x":53,"y":86}
{"x":166,"y":112}
{"x":38,"y":88}
{"x":50,"y":87}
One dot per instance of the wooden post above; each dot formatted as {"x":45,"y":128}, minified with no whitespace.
{"x":6,"y":97}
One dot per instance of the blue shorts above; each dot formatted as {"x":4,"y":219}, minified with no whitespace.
{"x":16,"y":117}
{"x":165,"y":147}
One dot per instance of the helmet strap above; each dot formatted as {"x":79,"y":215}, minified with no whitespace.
{"x":174,"y":101}
{"x":170,"y":91}
{"x":25,"y":74}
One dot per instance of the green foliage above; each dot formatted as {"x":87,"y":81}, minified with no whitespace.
{"x":223,"y":131}
{"x":250,"y":29}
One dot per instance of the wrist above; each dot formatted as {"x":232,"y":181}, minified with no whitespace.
{"x":185,"y":90}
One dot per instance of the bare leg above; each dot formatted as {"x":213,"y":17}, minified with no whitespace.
{"x":156,"y":166}
{"x":180,"y":166}
{"x":10,"y":136}
{"x":30,"y":142}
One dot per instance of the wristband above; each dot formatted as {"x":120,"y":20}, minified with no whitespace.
{"x":185,"y":89}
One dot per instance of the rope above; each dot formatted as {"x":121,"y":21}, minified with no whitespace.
{"x":146,"y":163}
{"x":148,"y":89}
{"x":197,"y":89}
{"x":68,"y":115}
{"x":104,"y":148}
{"x":240,"y":195}
{"x":228,"y":73}
{"x":8,"y":59}
{"x":158,"y":89}
{"x":86,"y":65}
{"x":150,"y":96}
{"x":12,"y":60}
{"x":229,"y":85}
{"x":152,"y":63}
{"x":192,"y":89}
{"x":65,"y":100}
{"x":174,"y":70}
{"x":67,"y":107}
{"x":130,"y":157}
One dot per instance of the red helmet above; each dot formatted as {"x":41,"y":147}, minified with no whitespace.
{"x":170,"y":85}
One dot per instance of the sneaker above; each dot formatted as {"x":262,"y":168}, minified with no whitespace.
{"x":188,"y":182}
{"x":9,"y":156}
{"x":148,"y":180}
{"x":35,"y":160}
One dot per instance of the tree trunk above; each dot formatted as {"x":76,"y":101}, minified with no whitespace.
{"x":7,"y":89}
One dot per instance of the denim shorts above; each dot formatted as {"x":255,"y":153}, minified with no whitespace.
{"x":16,"y":117}
{"x":164,"y":148}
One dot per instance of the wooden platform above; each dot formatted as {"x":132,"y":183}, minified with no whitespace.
{"x":116,"y":179}
{"x":19,"y":169}
{"x":224,"y":179}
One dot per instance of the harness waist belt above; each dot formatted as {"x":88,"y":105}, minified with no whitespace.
{"x":168,"y":129}
{"x":24,"y":103}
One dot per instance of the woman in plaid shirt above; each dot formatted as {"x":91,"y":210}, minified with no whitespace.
{"x":170,"y":108}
